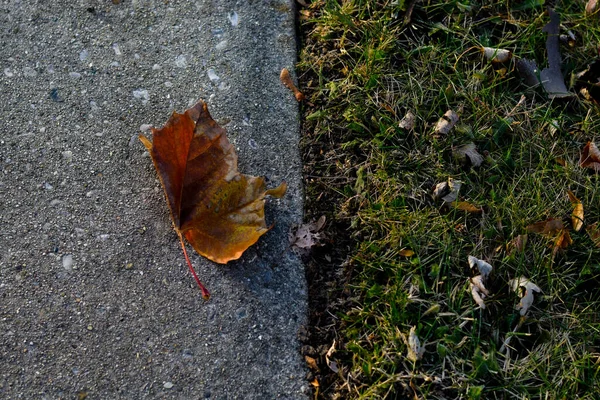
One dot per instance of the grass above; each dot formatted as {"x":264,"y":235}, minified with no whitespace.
{"x":362,"y":69}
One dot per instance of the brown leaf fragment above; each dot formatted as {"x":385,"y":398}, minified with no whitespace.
{"x":517,"y":244}
{"x":549,"y":227}
{"x":466,"y":206}
{"x":483,"y":267}
{"x":307,"y":235}
{"x":496,"y":55}
{"x":447,"y":191}
{"x":446,"y":123}
{"x":415,"y":350}
{"x":562,"y":241}
{"x":478,"y":290}
{"x":286,"y":79}
{"x":406,"y":253}
{"x":315,"y":383}
{"x":408,"y":122}
{"x":468,"y":152}
{"x":330,"y":363}
{"x":312,"y":363}
{"x":591,"y":7}
{"x":219,"y":210}
{"x":577,"y":215}
{"x":527,"y":293}
{"x":590,"y":157}
{"x":593,"y":232}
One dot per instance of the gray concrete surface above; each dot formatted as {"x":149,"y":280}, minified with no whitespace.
{"x":95,"y":295}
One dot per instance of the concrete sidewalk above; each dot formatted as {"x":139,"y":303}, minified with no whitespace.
{"x":95,"y":296}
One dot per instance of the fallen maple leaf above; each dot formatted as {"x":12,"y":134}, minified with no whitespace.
{"x":590,"y":157}
{"x":577,"y":215}
{"x":553,"y":229}
{"x":219,"y":210}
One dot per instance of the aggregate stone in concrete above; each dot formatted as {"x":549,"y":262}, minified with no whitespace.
{"x":95,"y":295}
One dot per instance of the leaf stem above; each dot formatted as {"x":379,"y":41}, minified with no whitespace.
{"x":205,"y":292}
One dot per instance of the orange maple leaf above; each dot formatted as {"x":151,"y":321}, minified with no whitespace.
{"x":219,"y":210}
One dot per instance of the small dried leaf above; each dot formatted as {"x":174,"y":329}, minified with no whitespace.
{"x":466,"y":206}
{"x":550,"y":227}
{"x":406,"y":253}
{"x":591,"y":7}
{"x":593,"y":232}
{"x":563,"y":240}
{"x":577,"y":215}
{"x":517,"y":244}
{"x":446,"y":123}
{"x":330,"y":363}
{"x":447,"y":191}
{"x":496,"y":55}
{"x":590,"y":157}
{"x":312,"y":363}
{"x":478,"y":294}
{"x":315,"y":382}
{"x":483,"y":267}
{"x":286,"y":79}
{"x":478,"y":282}
{"x":530,"y":288}
{"x":415,"y":351}
{"x":468,"y":151}
{"x":529,"y":72}
{"x":408,"y":122}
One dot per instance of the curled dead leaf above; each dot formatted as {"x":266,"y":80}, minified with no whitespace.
{"x":468,"y":152}
{"x":406,"y":253}
{"x":496,"y":55}
{"x":466,"y":206}
{"x":562,"y":241}
{"x":408,"y":122}
{"x":526,"y":294}
{"x":330,"y":363}
{"x":286,"y":79}
{"x":447,"y":191}
{"x":312,"y":363}
{"x":517,"y":244}
{"x":577,"y":215}
{"x":483,"y":267}
{"x":590,"y":157}
{"x":415,"y":350}
{"x":593,"y":232}
{"x":478,"y":290}
{"x":446,"y":123}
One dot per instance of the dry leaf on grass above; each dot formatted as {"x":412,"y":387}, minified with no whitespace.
{"x":447,"y":191}
{"x":408,"y":122}
{"x":466,"y":206}
{"x":496,"y":55}
{"x":219,"y":210}
{"x":517,"y":244}
{"x":553,"y":229}
{"x":577,"y":215}
{"x":446,"y":123}
{"x":526,"y":294}
{"x":483,"y":267}
{"x":593,"y":232}
{"x":330,"y":363}
{"x":468,"y":152}
{"x":307,"y":235}
{"x":406,"y":253}
{"x":312,"y":363}
{"x":591,"y":7}
{"x":477,"y":283}
{"x":415,"y":350}
{"x":590,"y":157}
